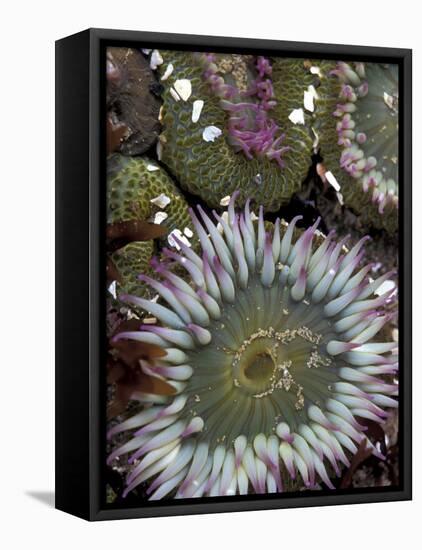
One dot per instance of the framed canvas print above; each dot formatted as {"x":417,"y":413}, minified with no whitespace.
{"x":233,"y":274}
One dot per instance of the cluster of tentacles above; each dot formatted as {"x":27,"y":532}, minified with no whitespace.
{"x":358,"y":127}
{"x":250,"y":128}
{"x":272,"y":348}
{"x":366,"y":118}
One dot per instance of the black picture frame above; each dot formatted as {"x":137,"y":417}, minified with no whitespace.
{"x":80,"y":271}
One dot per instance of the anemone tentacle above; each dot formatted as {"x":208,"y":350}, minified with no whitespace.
{"x":273,"y":357}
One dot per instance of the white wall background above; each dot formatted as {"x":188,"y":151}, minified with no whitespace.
{"x":28,"y":31}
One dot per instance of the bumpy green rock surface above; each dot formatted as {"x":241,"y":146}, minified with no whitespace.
{"x":131,"y":260}
{"x":132,"y":182}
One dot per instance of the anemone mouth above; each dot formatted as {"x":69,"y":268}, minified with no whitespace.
{"x":270,"y":349}
{"x":257,"y":368}
{"x":266,"y":362}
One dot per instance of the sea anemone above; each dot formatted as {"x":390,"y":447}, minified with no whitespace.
{"x":250,"y":127}
{"x":359,"y":137}
{"x":224,"y":129}
{"x":143,"y":203}
{"x":138,"y":188}
{"x":272,"y":350}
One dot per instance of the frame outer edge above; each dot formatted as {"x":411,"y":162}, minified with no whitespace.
{"x":405,"y":274}
{"x":96,"y":252}
{"x":72,"y":217}
{"x":94,"y":168}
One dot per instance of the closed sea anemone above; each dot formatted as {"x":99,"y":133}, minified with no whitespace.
{"x":226,"y":126}
{"x":272,"y":348}
{"x":143,"y":204}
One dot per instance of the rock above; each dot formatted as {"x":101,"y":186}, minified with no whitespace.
{"x":132,"y":101}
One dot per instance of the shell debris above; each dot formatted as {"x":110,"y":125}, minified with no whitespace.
{"x":168,"y":71}
{"x":316,"y":70}
{"x":197,"y":109}
{"x":183,"y":88}
{"x":174,"y":94}
{"x":155,"y":60}
{"x":297,"y":116}
{"x":179,"y":235}
{"x":225,"y":200}
{"x":112,"y":289}
{"x":161,"y":201}
{"x":160,"y":216}
{"x":386,"y":286}
{"x":309,"y":96}
{"x":329,"y":176}
{"x":211,"y":133}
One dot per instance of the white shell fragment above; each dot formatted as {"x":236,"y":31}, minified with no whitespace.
{"x":177,"y":233}
{"x":160,"y":216}
{"x":316,"y":70}
{"x":188,"y":232}
{"x":160,"y":114}
{"x":112,"y":289}
{"x":309,"y":96}
{"x":225,"y":217}
{"x":196,"y":109}
{"x":161,"y":201}
{"x":225,"y":200}
{"x":174,"y":94}
{"x":386,"y":286}
{"x":155,"y":60}
{"x":183,"y":88}
{"x":168,"y":71}
{"x":332,"y":180}
{"x":152,"y":167}
{"x":389,"y":100}
{"x":211,"y":133}
{"x":297,"y":116}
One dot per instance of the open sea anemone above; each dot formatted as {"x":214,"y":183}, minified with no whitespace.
{"x":272,"y":347}
{"x":226,"y":126}
{"x":359,"y":137}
